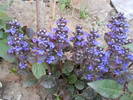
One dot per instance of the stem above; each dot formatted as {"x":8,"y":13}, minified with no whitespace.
{"x":60,"y":66}
{"x":130,"y":65}
{"x":38,"y":26}
{"x":53,"y":9}
{"x":49,"y":69}
{"x":72,"y":9}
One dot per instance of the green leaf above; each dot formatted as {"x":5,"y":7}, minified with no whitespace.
{"x":1,"y":35}
{"x":2,"y":24}
{"x":127,"y":97}
{"x":13,"y":70}
{"x":30,"y":83}
{"x":83,"y":14}
{"x":57,"y":98}
{"x":62,"y":6}
{"x":3,"y":51}
{"x":48,"y":82}
{"x":39,"y":70}
{"x":3,"y":7}
{"x":72,"y":79}
{"x":70,"y":89}
{"x":79,"y":85}
{"x":130,"y":46}
{"x":51,"y":90}
{"x":67,"y":68}
{"x":98,"y":97}
{"x":130,"y":86}
{"x":3,"y":13}
{"x":4,"y":16}
{"x":107,"y":88}
{"x":89,"y":93}
{"x":78,"y":97}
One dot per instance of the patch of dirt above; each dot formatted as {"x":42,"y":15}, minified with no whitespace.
{"x":14,"y":91}
{"x":99,"y":13}
{"x":12,"y":88}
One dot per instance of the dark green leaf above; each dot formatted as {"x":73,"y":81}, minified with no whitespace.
{"x":3,"y":51}
{"x":130,"y":86}
{"x":67,"y":68}
{"x":107,"y":88}
{"x":130,"y":46}
{"x":5,"y":35}
{"x":127,"y":97}
{"x":98,"y":97}
{"x":89,"y":93}
{"x":57,"y":74}
{"x":30,"y":83}
{"x":51,"y":90}
{"x":79,"y":85}
{"x":78,"y":97}
{"x":1,"y":35}
{"x":71,"y":89}
{"x":72,"y":79}
{"x":39,"y":70}
{"x":48,"y":82}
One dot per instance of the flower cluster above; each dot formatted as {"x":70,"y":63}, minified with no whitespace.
{"x":120,"y":57}
{"x":60,"y":39}
{"x":19,"y":47}
{"x":79,"y":45}
{"x":95,"y":57}
{"x":84,"y":48}
{"x":114,"y":60}
{"x":42,"y":48}
{"x":86,"y":52}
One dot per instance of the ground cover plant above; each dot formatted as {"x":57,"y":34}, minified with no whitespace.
{"x":74,"y":64}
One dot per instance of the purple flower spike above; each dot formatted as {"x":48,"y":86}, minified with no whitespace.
{"x":19,"y":47}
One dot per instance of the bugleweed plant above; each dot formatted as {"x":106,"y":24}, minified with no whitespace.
{"x":73,"y":63}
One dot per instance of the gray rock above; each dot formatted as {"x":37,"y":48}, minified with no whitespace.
{"x":124,"y":6}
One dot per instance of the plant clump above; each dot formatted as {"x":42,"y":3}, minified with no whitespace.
{"x":87,"y":62}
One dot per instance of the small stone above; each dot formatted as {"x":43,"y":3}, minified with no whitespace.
{"x":19,"y":97}
{"x":0,"y":85}
{"x":124,"y":6}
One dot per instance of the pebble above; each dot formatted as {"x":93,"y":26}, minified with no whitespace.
{"x":0,"y":85}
